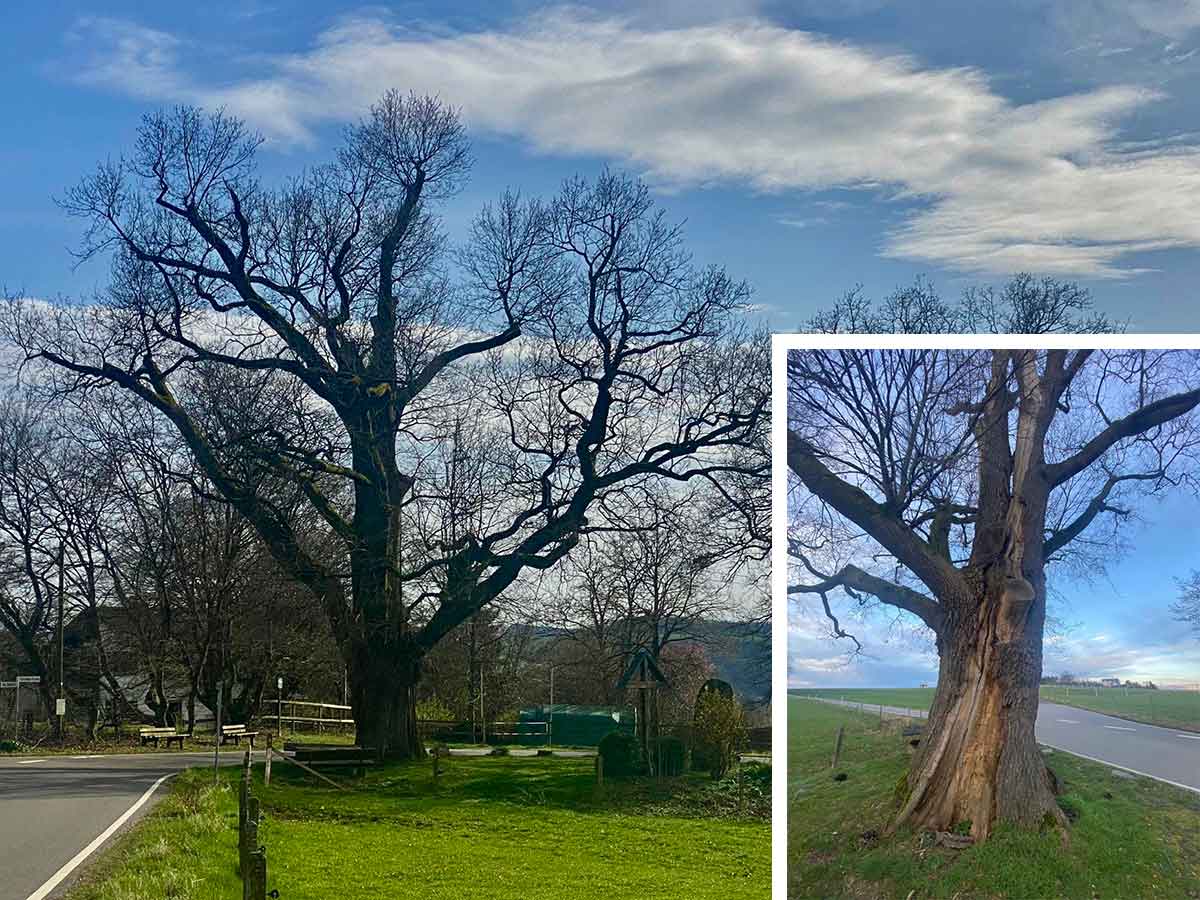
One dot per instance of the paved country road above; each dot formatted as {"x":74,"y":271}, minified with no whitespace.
{"x":53,"y":807}
{"x":1163,"y":753}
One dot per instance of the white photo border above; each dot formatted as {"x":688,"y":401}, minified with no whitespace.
{"x":780,"y":345}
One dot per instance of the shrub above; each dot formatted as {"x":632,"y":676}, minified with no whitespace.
{"x":432,"y":709}
{"x":671,"y":756}
{"x":720,"y":730}
{"x":621,"y":754}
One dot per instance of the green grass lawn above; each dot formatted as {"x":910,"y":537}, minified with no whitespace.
{"x":1130,"y":838}
{"x":493,"y":827}
{"x":1170,"y":709}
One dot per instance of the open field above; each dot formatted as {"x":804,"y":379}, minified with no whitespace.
{"x":493,"y":827}
{"x":1131,"y":837}
{"x":1169,"y":709}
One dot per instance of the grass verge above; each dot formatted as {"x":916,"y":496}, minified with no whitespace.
{"x":492,"y":827}
{"x":1129,"y":837}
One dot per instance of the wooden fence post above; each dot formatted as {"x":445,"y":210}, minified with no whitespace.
{"x":267,"y":761}
{"x":254,"y":885}
{"x":243,"y":814}
{"x":837,"y":746}
{"x":250,"y":841}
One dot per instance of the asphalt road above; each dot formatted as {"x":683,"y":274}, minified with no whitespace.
{"x":1163,"y":753}
{"x":53,"y":807}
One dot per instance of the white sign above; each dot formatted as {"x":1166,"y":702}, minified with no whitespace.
{"x":60,"y":706}
{"x":29,"y":679}
{"x":279,"y":683}
{"x":8,"y":684}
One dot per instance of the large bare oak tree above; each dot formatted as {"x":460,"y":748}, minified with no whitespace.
{"x":946,"y":484}
{"x":322,"y":333}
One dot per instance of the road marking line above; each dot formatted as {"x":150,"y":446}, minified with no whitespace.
{"x":29,"y":762}
{"x":1068,"y":721}
{"x":1119,"y":728}
{"x":93,"y":756}
{"x":1186,"y":787}
{"x":1190,"y":737}
{"x":57,"y":878}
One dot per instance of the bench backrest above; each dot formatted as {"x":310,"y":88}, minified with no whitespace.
{"x":231,"y":729}
{"x":156,"y":730}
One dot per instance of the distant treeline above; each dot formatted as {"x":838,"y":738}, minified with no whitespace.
{"x":1073,"y":680}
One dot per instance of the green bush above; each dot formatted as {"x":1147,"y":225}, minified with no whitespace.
{"x":671,"y":756}
{"x":719,"y":731}
{"x":11,"y":746}
{"x":433,"y":709}
{"x":621,"y":754}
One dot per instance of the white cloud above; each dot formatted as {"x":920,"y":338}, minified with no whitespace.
{"x":999,"y":186}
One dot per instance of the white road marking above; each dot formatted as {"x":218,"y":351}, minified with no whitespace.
{"x":1186,"y":787}
{"x":29,"y":762}
{"x":1119,"y":728}
{"x":1068,"y":721}
{"x":57,"y":878}
{"x":1190,"y":737}
{"x":93,"y":756}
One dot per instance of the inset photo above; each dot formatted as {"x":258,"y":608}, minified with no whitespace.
{"x":993,"y":596}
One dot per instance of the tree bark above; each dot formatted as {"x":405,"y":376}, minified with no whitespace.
{"x":979,"y":761}
{"x":383,"y":694}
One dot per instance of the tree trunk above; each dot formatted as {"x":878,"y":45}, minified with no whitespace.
{"x":979,"y":761}
{"x":383,"y":695}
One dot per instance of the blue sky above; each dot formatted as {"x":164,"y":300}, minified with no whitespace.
{"x":811,"y":146}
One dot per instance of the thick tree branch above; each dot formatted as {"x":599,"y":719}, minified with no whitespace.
{"x":1056,"y":540}
{"x":1137,"y":422}
{"x":853,"y":579}
{"x":938,"y":574}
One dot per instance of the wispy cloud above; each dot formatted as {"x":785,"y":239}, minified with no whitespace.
{"x":998,"y":186}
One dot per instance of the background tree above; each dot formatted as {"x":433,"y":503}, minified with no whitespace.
{"x":311,"y":335}
{"x":965,"y":474}
{"x":1187,"y":607}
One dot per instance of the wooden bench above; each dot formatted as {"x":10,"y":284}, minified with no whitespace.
{"x":166,"y":735}
{"x":355,"y":758}
{"x":235,"y":733}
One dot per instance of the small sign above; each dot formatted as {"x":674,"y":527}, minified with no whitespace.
{"x":279,"y":682}
{"x":8,"y":684}
{"x":29,"y":679}
{"x":60,"y":706}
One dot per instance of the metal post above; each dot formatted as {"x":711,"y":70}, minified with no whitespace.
{"x":217,"y":732}
{"x":482,"y":716}
{"x":550,"y":727}
{"x":60,"y":707}
{"x":279,"y":706}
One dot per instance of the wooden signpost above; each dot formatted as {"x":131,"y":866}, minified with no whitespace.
{"x":643,"y":675}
